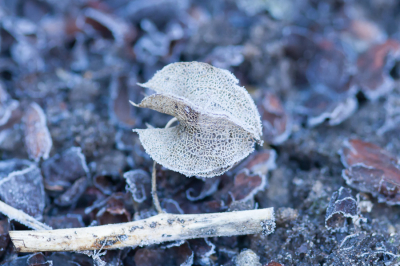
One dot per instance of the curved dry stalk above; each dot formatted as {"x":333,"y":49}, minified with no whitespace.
{"x":170,"y":122}
{"x":22,"y":217}
{"x":154,"y":230}
{"x":156,"y":202}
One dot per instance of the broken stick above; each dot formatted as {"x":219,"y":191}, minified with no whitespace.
{"x":154,"y":230}
{"x":22,"y":217}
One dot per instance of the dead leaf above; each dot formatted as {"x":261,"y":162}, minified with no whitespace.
{"x":37,"y":136}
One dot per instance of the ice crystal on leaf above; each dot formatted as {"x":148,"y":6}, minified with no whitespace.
{"x":218,"y":120}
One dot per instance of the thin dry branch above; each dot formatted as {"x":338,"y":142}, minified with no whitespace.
{"x":22,"y":217}
{"x":157,"y":229}
{"x":156,"y":201}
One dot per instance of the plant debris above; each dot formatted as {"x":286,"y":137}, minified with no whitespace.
{"x":218,"y":121}
{"x":341,"y":207}
{"x":371,"y":169}
{"x":325,"y":78}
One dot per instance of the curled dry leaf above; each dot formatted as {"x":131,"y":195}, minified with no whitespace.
{"x":371,"y":169}
{"x":111,"y":210}
{"x":171,"y":206}
{"x":209,"y":187}
{"x":276,"y":121}
{"x":107,"y":25}
{"x":374,"y":66}
{"x":203,"y":249}
{"x":37,"y":136}
{"x":247,"y":185}
{"x":61,"y":170}
{"x":73,"y":193}
{"x":218,"y":121}
{"x":38,"y":259}
{"x":320,"y":107}
{"x":138,"y":183}
{"x":21,"y":186}
{"x":341,"y":206}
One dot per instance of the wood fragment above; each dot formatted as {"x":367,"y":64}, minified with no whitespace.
{"x":22,"y":217}
{"x":157,"y":229}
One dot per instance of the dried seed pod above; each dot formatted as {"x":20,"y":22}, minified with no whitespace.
{"x":219,"y":122}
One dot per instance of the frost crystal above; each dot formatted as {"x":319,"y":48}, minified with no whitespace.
{"x":218,"y":120}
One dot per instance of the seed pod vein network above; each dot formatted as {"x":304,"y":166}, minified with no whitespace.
{"x":218,"y":121}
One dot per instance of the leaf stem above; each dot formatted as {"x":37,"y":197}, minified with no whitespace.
{"x":156,"y":202}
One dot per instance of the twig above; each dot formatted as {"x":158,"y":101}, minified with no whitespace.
{"x":170,"y":122}
{"x":156,"y":202}
{"x":22,"y":217}
{"x":154,"y":230}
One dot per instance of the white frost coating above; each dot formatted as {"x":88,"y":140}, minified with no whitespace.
{"x":219,"y":121}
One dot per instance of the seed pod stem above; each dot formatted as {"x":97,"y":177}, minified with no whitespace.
{"x":156,"y":202}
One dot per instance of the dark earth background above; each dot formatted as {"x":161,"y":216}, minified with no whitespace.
{"x":324,"y":75}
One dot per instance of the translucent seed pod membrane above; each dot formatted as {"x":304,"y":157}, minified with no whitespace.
{"x":218,"y":120}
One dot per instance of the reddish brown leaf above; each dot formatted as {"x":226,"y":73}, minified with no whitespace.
{"x":276,"y":121}
{"x":247,"y":185}
{"x":374,"y":66}
{"x":341,"y":206}
{"x":261,"y":162}
{"x":111,"y":210}
{"x":274,"y":263}
{"x":371,"y":169}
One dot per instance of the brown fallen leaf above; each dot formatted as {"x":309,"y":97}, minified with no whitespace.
{"x":247,"y":185}
{"x":372,"y":169}
{"x":341,"y":206}
{"x":276,"y":121}
{"x":374,"y":65}
{"x":37,"y":136}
